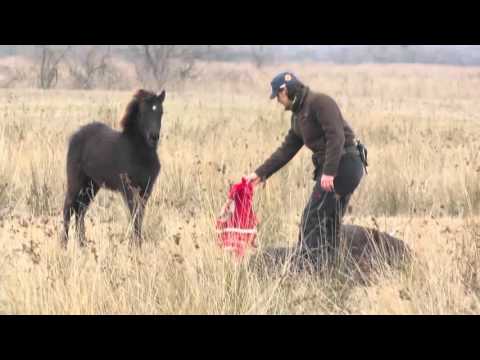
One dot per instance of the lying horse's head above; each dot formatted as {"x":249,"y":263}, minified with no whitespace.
{"x":143,"y":116}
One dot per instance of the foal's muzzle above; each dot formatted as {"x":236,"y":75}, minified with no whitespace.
{"x":153,"y":139}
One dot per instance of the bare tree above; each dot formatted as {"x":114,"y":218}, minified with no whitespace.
{"x":259,"y":55}
{"x":89,"y":66}
{"x":50,"y":60}
{"x":9,"y":76}
{"x":156,"y":64}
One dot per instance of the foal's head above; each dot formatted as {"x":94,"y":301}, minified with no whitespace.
{"x":144,"y":116}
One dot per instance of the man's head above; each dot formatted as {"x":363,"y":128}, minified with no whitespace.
{"x":284,"y":88}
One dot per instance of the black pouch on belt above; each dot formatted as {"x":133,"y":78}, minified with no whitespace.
{"x":363,"y":151}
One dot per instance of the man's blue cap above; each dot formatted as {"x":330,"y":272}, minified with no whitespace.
{"x":280,"y":82}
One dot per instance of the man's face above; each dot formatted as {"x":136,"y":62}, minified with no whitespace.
{"x":283,"y":99}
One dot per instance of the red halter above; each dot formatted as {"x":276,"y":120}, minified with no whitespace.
{"x":237,"y":225}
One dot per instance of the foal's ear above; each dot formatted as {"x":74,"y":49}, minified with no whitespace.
{"x":161,"y":96}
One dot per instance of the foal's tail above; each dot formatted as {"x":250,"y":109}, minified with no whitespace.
{"x":75,"y":145}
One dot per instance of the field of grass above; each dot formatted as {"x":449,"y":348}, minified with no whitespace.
{"x":422,"y":128}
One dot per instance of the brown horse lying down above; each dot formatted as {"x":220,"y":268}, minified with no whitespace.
{"x":361,"y":247}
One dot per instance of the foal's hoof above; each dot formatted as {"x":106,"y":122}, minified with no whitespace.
{"x":135,"y":243}
{"x":63,"y":241}
{"x":83,"y":243}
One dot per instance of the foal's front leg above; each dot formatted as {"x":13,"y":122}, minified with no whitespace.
{"x":136,"y":200}
{"x":138,"y":221}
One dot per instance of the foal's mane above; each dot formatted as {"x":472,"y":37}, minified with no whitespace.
{"x":131,"y":113}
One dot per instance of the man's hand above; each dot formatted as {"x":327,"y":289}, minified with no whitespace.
{"x":254,"y":179}
{"x":327,"y":183}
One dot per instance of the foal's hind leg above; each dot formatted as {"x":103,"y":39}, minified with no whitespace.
{"x":74,"y":186}
{"x":81,"y":192}
{"x":67,"y":214}
{"x":83,"y":201}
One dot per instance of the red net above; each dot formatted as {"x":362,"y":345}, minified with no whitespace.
{"x":237,"y":225}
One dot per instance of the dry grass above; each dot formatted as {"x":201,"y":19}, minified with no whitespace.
{"x":423,"y":134}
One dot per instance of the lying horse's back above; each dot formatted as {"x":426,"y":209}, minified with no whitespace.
{"x":365,"y":244}
{"x":366,"y":247}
